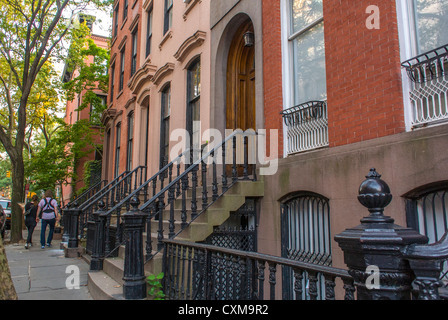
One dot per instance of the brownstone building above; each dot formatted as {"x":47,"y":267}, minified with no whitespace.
{"x":335,"y":88}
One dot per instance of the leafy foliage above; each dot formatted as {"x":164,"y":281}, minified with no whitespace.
{"x":155,"y":288}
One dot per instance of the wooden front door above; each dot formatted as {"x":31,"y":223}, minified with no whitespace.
{"x":240,"y":108}
{"x":240,"y":99}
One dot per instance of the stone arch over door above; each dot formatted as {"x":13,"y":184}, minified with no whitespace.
{"x":227,"y":33}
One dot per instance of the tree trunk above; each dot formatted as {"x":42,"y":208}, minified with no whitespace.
{"x":18,"y":195}
{"x":7,"y":290}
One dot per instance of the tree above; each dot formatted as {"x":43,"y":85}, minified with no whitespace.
{"x":31,"y":35}
{"x":7,"y":290}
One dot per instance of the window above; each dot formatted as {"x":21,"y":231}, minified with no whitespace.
{"x":428,"y":22}
{"x":122,"y":69}
{"x":165,"y":126}
{"x":427,"y":212}
{"x":307,"y":48}
{"x":125,"y":9}
{"x":112,"y":82}
{"x":193,"y":103}
{"x":116,"y":21}
{"x":149,"y":32}
{"x":97,"y":111}
{"x":168,"y":19}
{"x":424,"y":45}
{"x":134,"y":52}
{"x":305,"y":233}
{"x":117,"y":149}
{"x":130,"y":141}
{"x":305,"y":88}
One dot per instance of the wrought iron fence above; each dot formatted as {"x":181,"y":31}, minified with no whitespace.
{"x":204,"y":272}
{"x":307,"y":126}
{"x":429,"y":86}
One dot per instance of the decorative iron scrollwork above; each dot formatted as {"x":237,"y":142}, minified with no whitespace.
{"x":304,"y":112}
{"x":428,"y":66}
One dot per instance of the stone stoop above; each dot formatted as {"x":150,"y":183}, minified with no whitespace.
{"x":108,"y":283}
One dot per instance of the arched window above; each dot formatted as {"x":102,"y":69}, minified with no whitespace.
{"x":427,"y":212}
{"x":306,"y":237}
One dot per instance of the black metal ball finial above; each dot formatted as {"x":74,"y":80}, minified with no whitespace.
{"x":101,"y":205}
{"x":135,"y":203}
{"x":374,"y":194}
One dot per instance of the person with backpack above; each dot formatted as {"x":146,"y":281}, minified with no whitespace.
{"x":48,"y":212}
{"x":30,"y":219}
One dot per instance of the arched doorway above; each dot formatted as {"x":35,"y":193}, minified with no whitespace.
{"x":240,"y":80}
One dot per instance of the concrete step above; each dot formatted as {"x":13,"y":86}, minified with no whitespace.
{"x":104,"y":287}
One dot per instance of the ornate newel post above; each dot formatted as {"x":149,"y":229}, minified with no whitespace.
{"x":74,"y":223}
{"x":377,"y":244}
{"x":134,"y":286}
{"x":99,"y":218}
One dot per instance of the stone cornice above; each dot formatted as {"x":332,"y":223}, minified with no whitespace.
{"x":143,"y":75}
{"x":189,"y":44}
{"x":108,"y":115}
{"x":162,"y":73}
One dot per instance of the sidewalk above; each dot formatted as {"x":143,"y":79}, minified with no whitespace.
{"x":40,"y":274}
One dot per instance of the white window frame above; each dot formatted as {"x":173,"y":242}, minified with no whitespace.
{"x":287,"y":58}
{"x":408,"y":49}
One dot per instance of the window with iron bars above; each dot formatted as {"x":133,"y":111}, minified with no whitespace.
{"x":306,"y":237}
{"x":427,"y":212}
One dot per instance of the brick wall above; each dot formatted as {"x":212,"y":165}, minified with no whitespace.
{"x":272,"y":70}
{"x":363,"y":72}
{"x":364,"y":86}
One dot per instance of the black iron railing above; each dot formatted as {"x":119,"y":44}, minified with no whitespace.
{"x":87,"y":194}
{"x":110,"y":194}
{"x":202,"y":272}
{"x":142,"y":192}
{"x":202,"y":176}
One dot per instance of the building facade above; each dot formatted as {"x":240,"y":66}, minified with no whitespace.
{"x":354,"y":92}
{"x":74,"y":114}
{"x":160,"y":71}
{"x":333,"y":88}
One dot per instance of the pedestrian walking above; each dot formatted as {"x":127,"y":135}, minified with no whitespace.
{"x":48,"y":212}
{"x":30,"y":219}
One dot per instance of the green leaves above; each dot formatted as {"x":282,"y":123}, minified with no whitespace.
{"x":155,"y":288}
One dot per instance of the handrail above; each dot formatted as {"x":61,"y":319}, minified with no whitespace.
{"x":145,"y":184}
{"x":103,"y":189}
{"x":188,"y":170}
{"x":86,"y":192}
{"x":97,"y":198}
{"x":331,"y":271}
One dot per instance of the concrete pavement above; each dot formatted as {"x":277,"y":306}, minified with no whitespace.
{"x":45,"y":274}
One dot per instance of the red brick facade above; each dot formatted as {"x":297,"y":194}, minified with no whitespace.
{"x":364,"y":87}
{"x":272,"y":70}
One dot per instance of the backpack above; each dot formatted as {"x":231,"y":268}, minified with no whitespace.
{"x":28,"y":211}
{"x":48,"y":210}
